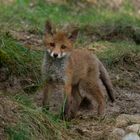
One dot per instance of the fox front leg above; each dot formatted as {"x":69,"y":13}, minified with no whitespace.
{"x":69,"y":112}
{"x":45,"y":95}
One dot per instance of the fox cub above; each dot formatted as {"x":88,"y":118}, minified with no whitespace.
{"x":73,"y":69}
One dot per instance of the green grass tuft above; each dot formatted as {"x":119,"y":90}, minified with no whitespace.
{"x":33,"y":124}
{"x":116,"y":51}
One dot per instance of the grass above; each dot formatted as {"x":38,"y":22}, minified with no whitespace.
{"x":25,"y":64}
{"x":23,"y":99}
{"x":24,"y":16}
{"x":20,"y":62}
{"x":32,"y":124}
{"x":19,"y":132}
{"x":18,"y":58}
{"x":116,"y":51}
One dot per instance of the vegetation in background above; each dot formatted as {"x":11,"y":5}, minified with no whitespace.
{"x":118,"y":51}
{"x":31,"y":17}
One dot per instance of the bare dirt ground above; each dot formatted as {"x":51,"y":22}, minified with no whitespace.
{"x":92,"y":127}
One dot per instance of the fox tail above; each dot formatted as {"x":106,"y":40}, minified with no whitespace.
{"x":106,"y":81}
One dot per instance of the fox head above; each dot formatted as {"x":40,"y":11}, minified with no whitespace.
{"x":58,"y":44}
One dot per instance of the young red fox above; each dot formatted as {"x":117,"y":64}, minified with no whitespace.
{"x":75,"y":69}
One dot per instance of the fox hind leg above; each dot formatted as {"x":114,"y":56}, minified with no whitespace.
{"x":77,"y":98}
{"x":73,"y":103}
{"x":94,"y":91}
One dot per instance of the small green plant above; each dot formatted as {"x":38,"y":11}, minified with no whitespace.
{"x":23,"y":99}
{"x":18,"y":132}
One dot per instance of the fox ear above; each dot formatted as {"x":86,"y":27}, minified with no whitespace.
{"x":73,"y":35}
{"x":48,"y":27}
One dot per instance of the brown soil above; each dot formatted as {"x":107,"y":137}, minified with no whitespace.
{"x":9,"y":115}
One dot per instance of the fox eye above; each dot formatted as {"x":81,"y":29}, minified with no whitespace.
{"x":63,"y":47}
{"x":52,"y":44}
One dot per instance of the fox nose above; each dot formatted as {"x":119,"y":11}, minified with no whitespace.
{"x":55,"y":55}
